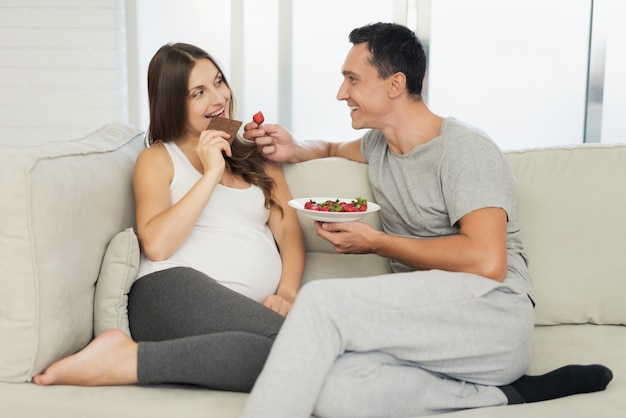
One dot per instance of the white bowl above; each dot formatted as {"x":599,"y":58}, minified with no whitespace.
{"x":317,"y":215}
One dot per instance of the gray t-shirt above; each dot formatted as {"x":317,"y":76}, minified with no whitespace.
{"x":425,"y":192}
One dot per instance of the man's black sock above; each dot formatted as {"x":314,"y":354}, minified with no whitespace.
{"x":566,"y":381}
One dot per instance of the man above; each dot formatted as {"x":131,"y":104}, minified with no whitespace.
{"x":451,"y":328}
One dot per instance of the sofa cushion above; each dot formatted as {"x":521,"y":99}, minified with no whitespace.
{"x":60,"y":205}
{"x":343,"y":179}
{"x":117,"y":275}
{"x":571,"y":201}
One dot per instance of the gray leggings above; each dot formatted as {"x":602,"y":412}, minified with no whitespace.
{"x":193,"y":330}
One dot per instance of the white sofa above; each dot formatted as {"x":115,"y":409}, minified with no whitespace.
{"x":62,"y":203}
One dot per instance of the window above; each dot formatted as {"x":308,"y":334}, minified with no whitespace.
{"x":518,"y":70}
{"x":507,"y":68}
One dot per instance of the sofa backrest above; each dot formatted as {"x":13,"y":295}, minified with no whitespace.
{"x":571,"y":204}
{"x":60,"y":205}
{"x":333,"y":177}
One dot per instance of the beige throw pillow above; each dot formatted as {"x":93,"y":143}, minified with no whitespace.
{"x":117,"y":275}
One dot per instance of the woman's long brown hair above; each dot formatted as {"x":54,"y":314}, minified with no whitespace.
{"x":168,"y":76}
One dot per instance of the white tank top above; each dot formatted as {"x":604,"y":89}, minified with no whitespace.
{"x":231,"y":242}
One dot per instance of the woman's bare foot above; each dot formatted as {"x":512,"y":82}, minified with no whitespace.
{"x":110,"y":359}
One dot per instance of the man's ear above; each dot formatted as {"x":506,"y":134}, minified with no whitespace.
{"x":397,"y":84}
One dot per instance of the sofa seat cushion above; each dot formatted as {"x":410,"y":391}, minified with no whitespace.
{"x":61,"y":203}
{"x":553,"y":347}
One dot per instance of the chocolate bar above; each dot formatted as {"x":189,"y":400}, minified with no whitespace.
{"x":230,"y":126}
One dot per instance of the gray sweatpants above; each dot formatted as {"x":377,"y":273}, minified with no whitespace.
{"x":193,"y":330}
{"x":397,"y":345}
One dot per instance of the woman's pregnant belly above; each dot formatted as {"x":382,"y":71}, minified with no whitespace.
{"x":245,"y":261}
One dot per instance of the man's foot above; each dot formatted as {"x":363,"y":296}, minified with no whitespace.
{"x":566,"y":381}
{"x":110,"y":359}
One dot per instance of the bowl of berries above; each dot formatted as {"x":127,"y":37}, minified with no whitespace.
{"x":332,"y":209}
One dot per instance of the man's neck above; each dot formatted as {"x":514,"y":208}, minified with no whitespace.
{"x":412,"y":125}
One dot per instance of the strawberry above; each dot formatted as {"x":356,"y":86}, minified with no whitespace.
{"x":258,"y":118}
{"x":357,"y":205}
{"x":360,"y":204}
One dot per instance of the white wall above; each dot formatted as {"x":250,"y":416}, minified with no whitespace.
{"x":62,"y":68}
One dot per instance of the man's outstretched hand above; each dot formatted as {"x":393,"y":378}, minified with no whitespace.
{"x":273,"y":141}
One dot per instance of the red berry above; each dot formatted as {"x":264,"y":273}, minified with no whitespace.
{"x":358,"y":205}
{"x":258,"y":118}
